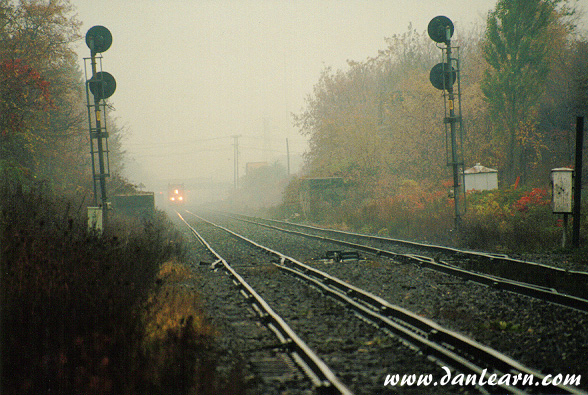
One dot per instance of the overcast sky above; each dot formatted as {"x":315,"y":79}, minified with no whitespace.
{"x":190,"y":74}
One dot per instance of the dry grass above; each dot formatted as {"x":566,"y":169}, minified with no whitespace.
{"x":89,"y":314}
{"x":177,"y":340}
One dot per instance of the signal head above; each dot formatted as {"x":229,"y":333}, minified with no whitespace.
{"x":98,"y":39}
{"x":438,"y":27}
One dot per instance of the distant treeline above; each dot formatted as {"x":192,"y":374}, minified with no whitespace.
{"x":524,"y":80}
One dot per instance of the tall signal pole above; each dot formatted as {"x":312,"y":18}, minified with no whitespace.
{"x":443,"y":76}
{"x":101,"y":85}
{"x":452,"y":121}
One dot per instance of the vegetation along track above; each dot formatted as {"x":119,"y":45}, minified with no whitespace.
{"x":444,"y":345}
{"x":527,"y":278}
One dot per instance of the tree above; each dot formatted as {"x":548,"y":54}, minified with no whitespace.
{"x":379,"y":121}
{"x":516,"y":46}
{"x":23,"y":92}
{"x":262,"y":187}
{"x":567,"y":87}
{"x":39,"y":81}
{"x":43,"y":116}
{"x":342,"y":120}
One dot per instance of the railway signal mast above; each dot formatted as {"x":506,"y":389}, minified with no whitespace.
{"x":443,"y":77}
{"x":101,"y":85}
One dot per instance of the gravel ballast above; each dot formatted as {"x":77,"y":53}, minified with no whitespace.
{"x":545,"y":337}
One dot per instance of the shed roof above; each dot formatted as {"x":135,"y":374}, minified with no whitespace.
{"x":478,"y":168}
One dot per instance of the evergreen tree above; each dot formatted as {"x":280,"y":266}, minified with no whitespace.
{"x":516,"y":46}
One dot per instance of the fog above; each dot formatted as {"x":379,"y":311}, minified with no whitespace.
{"x":191,"y":74}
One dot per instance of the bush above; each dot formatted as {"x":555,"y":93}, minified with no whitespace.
{"x":510,"y":221}
{"x":70,"y":320}
{"x":177,"y":344}
{"x":415,"y":211}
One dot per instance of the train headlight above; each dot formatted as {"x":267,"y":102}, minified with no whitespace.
{"x":172,"y":198}
{"x":181,"y":198}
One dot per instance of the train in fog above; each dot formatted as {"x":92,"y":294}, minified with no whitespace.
{"x":176,"y":195}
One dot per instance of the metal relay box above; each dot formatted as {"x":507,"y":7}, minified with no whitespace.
{"x":562,"y":193}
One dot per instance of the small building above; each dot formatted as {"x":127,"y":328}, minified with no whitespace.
{"x":319,"y":195}
{"x":480,"y":178}
{"x":137,"y":205}
{"x":251,"y":166}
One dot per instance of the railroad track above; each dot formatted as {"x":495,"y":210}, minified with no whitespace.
{"x":445,"y":346}
{"x":531,"y":288}
{"x":324,"y":380}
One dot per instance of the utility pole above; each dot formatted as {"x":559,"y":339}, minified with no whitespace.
{"x":288,"y":155}
{"x":266,"y":139}
{"x":578,"y":181}
{"x":236,"y":160}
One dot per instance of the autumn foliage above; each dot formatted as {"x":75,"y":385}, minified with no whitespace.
{"x":536,"y":198}
{"x":379,"y":124}
{"x":77,"y":308}
{"x":23,"y":92}
{"x":510,"y":220}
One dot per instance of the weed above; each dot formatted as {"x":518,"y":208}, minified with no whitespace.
{"x":504,"y":326}
{"x":509,"y":221}
{"x":72,"y":318}
{"x":177,"y":344}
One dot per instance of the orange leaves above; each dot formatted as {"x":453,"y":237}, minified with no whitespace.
{"x":22,"y":78}
{"x":537,"y":197}
{"x":22,"y":91}
{"x":414,"y":197}
{"x":505,"y":204}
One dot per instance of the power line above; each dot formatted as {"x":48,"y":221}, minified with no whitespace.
{"x":183,"y":142}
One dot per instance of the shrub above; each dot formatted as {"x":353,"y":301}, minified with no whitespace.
{"x":177,"y":345}
{"x":415,"y":211}
{"x":70,"y":320}
{"x":509,"y":220}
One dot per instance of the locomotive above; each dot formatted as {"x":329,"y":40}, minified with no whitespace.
{"x":176,"y":194}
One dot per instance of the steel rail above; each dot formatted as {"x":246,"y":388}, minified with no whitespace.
{"x":536,"y":291}
{"x":315,"y":368}
{"x":553,"y":277}
{"x":447,"y":346}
